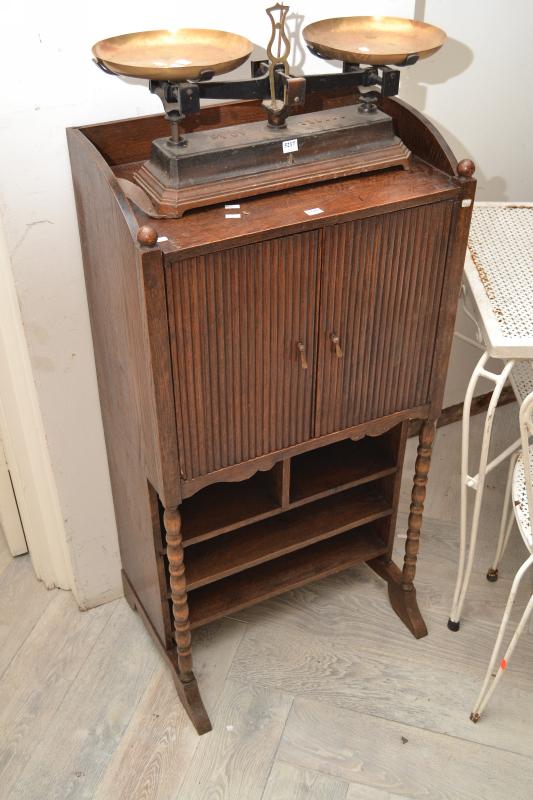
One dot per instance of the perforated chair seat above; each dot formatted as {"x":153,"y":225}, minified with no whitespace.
{"x":520,"y":498}
{"x":522,"y":379}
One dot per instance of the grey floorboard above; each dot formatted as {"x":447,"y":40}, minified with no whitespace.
{"x":152,"y":757}
{"x":23,"y":600}
{"x":95,"y":712}
{"x":233,"y":762}
{"x":38,"y":678}
{"x":400,"y":759}
{"x":286,"y":781}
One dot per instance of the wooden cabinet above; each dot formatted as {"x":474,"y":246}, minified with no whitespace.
{"x":258,"y":375}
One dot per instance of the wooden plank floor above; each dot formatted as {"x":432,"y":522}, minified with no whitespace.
{"x":320,"y":694}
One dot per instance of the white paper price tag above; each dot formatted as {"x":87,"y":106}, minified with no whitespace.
{"x":312,"y":211}
{"x":290,"y":145}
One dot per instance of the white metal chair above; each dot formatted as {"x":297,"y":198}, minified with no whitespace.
{"x":498,"y":276}
{"x":520,"y":497}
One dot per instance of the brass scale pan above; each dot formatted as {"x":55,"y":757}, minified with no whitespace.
{"x":184,"y":54}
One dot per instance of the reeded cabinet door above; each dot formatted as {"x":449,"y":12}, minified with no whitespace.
{"x":242,"y":331}
{"x":381,"y":288}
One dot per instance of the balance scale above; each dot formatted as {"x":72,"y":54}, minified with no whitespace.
{"x":289,"y":148}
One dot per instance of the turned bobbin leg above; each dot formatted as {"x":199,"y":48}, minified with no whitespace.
{"x":185,"y":680}
{"x":402,"y":593}
{"x":180,"y":609}
{"x":418,"y":496}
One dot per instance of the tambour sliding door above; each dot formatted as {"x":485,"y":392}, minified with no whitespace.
{"x":242,"y":332}
{"x":381,"y":284}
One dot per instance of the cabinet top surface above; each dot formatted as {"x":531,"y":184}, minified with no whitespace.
{"x":286,"y":212}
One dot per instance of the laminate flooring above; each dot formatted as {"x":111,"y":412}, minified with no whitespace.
{"x":319,"y":694}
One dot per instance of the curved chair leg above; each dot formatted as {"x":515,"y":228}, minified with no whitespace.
{"x":488,"y":687}
{"x":506,"y":525}
{"x":453,"y":622}
{"x":478,"y":483}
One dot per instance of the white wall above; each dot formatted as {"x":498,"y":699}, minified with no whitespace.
{"x":476,"y":91}
{"x":24,"y":441}
{"x":50,"y":83}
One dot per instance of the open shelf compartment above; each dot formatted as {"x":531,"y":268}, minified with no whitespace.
{"x":254,"y":544}
{"x":309,"y":516}
{"x":287,"y":572}
{"x":226,"y":506}
{"x":340,"y":465}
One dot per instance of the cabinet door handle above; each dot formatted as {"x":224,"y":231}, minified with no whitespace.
{"x":303,"y":358}
{"x":336,"y":341}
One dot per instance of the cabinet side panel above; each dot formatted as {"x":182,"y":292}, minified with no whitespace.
{"x":419,"y":134}
{"x":113,"y":279}
{"x":244,"y":388}
{"x":381,"y":288}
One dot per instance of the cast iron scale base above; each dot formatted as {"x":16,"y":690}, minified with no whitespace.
{"x":208,"y":167}
{"x":229,"y":163}
{"x":249,"y":159}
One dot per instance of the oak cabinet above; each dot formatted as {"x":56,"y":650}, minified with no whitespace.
{"x":258,"y":376}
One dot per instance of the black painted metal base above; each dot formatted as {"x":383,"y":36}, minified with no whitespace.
{"x":241,"y":160}
{"x":254,"y":147}
{"x":453,"y":626}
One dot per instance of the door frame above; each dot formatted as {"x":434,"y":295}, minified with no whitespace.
{"x":24,"y":440}
{"x":10,"y":523}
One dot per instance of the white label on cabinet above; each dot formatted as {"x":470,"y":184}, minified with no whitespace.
{"x":290,"y":145}
{"x":232,"y":205}
{"x":162,"y":238}
{"x":466,"y":203}
{"x":312,"y":211}
{"x":233,"y":216}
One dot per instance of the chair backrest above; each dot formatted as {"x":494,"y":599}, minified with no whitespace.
{"x":526,"y":431}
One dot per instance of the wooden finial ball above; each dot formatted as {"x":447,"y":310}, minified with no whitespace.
{"x":466,"y":168}
{"x":147,"y":236}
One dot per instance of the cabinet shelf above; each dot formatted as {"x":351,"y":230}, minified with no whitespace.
{"x":337,"y":467}
{"x":226,"y":506}
{"x":287,"y":572}
{"x":287,"y":532}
